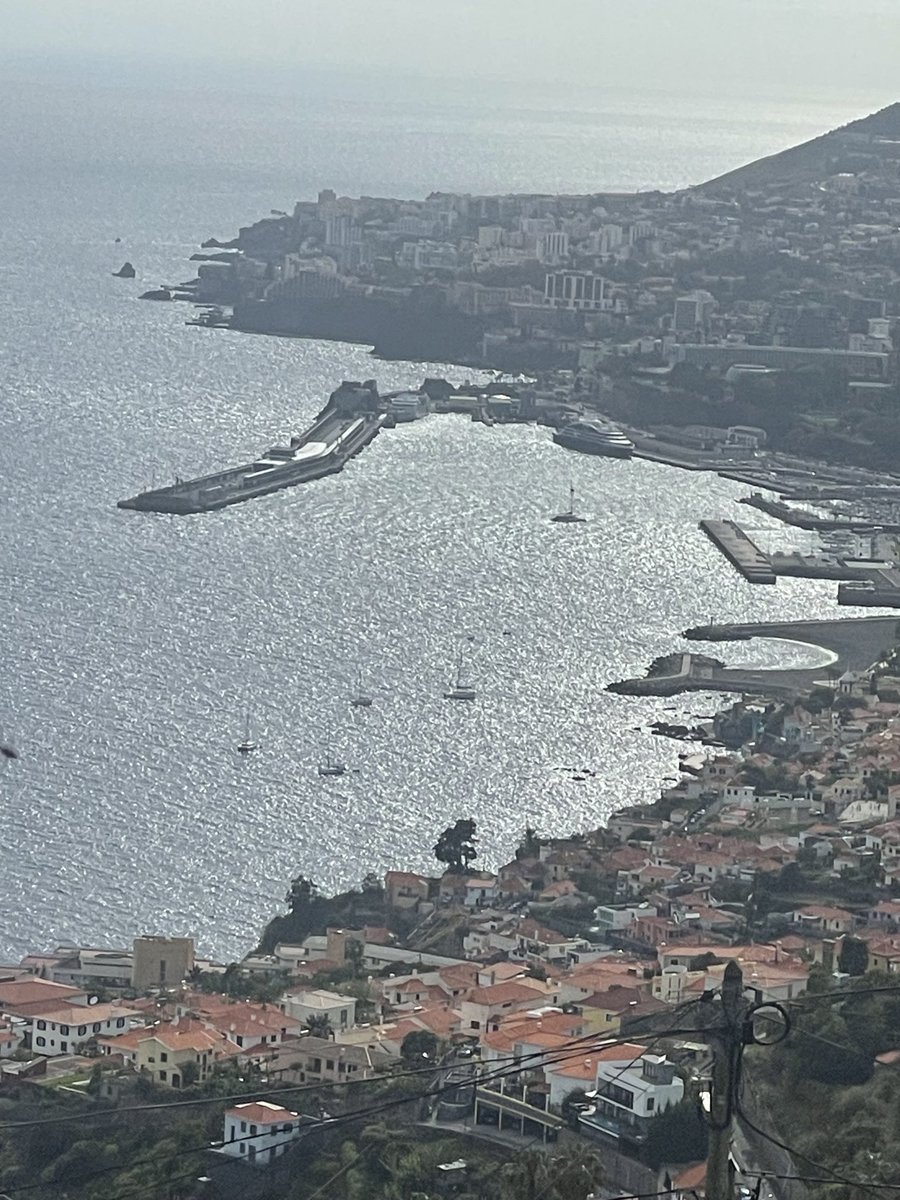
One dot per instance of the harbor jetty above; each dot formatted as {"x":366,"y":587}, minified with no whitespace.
{"x":354,"y":415}
{"x":852,"y":644}
{"x":349,"y":421}
{"x":740,"y":551}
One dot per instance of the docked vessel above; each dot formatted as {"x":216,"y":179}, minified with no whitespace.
{"x":594,"y":437}
{"x":407,"y":406}
{"x":570,"y":516}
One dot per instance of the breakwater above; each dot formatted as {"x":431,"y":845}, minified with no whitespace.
{"x":345,"y":426}
{"x":740,"y":551}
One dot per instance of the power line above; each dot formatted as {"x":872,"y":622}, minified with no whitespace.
{"x":287,"y":1089}
{"x":561,"y":1054}
{"x":835,"y":1176}
{"x":843,"y":994}
{"x":883,"y":1187}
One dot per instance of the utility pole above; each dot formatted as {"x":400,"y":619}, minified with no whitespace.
{"x":727,"y":1022}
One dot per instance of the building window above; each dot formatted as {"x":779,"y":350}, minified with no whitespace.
{"x":243,"y":1148}
{"x":82,"y":1030}
{"x":120,"y":1022}
{"x":618,"y":1095}
{"x":64,"y":1029}
{"x":162,"y":1077}
{"x":163,"y":1057}
{"x":253,"y":1131}
{"x":651,"y":1104}
{"x":41,"y":1041}
{"x":243,"y":1126}
{"x":96,"y":1027}
{"x":42,"y":1025}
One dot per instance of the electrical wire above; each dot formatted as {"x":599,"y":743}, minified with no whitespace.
{"x":763,"y":1175}
{"x":262,"y":1093}
{"x":571,"y":1050}
{"x":835,"y":1176}
{"x":843,"y":994}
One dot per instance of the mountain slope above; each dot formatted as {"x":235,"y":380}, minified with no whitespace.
{"x":864,"y":144}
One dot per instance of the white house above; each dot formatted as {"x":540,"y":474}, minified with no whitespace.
{"x":259,"y":1132}
{"x":481,"y":892}
{"x":63,"y":1030}
{"x":316,"y":1004}
{"x":629,"y":1095}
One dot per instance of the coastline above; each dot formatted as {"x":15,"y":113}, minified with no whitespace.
{"x":854,"y":644}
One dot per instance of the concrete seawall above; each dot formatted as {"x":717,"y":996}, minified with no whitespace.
{"x":740,"y":551}
{"x":344,"y":427}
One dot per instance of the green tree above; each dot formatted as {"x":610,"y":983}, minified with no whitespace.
{"x":677,"y":1135}
{"x":302,"y":891}
{"x":530,"y":844}
{"x":854,"y":956}
{"x":456,"y":845}
{"x":190,"y":1073}
{"x":419,"y":1044}
{"x":319,"y":1026}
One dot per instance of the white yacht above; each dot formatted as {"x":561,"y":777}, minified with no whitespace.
{"x":460,"y":690}
{"x":247,"y":746}
{"x":332,"y":766}
{"x":361,"y":698}
{"x":569,"y":517}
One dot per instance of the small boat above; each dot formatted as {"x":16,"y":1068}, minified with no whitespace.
{"x":460,"y":690}
{"x":247,"y":746}
{"x":569,"y":517}
{"x":332,"y":767}
{"x":361,"y":698}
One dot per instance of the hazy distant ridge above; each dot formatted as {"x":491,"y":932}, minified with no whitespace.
{"x":840,"y":149}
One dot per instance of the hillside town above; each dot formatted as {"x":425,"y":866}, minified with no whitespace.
{"x":785,"y":266}
{"x":587,"y":957}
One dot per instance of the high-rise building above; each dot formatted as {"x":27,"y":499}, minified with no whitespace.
{"x":553,"y":247}
{"x":577,"y":290}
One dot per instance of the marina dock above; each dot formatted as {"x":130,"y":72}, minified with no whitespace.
{"x":740,"y":551}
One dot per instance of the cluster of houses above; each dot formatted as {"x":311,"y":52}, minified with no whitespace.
{"x":582,"y":1003}
{"x":570,"y":280}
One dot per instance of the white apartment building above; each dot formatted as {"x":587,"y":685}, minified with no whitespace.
{"x":63,"y":1030}
{"x":553,"y":247}
{"x":316,"y":1004}
{"x":577,"y":290}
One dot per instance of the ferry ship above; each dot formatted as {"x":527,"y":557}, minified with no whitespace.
{"x":594,"y":437}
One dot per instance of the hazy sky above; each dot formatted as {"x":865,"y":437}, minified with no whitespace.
{"x":811,"y":46}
